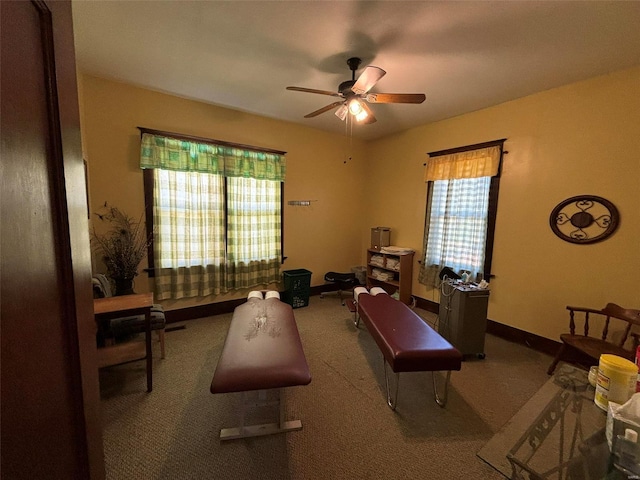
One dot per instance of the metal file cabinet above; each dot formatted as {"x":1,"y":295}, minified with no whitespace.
{"x":463,"y":319}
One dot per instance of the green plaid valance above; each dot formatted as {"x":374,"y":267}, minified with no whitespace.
{"x":187,"y":156}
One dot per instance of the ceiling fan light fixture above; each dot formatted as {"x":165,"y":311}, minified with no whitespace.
{"x":355,"y":95}
{"x":341,"y":113}
{"x":361,"y":116}
{"x":355,"y":107}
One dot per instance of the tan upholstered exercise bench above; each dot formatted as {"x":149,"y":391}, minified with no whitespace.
{"x":407,"y":343}
{"x":262,"y":352}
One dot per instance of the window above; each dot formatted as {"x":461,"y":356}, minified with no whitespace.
{"x":461,"y":207}
{"x":215,"y":213}
{"x":188,"y":219}
{"x":254,"y":219}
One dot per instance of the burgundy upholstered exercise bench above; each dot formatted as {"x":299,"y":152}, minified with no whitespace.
{"x":262,"y":351}
{"x":407,"y":343}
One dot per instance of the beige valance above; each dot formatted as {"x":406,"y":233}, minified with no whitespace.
{"x":484,"y":162}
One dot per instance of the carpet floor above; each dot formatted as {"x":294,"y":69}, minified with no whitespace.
{"x":348,"y":431}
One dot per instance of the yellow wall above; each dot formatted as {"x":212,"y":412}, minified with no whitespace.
{"x":582,"y":138}
{"x":323,"y":237}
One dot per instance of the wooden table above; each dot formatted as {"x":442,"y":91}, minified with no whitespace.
{"x":122,"y":306}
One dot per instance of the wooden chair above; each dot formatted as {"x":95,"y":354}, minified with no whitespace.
{"x":615,"y":319}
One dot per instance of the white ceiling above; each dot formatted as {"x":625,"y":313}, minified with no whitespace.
{"x":463,"y":55}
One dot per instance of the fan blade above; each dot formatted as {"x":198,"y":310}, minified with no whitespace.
{"x":311,"y":90}
{"x":368,"y":79}
{"x":323,"y":109}
{"x":371,"y":118}
{"x":395,"y":97}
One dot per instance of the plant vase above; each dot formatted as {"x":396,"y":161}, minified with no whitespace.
{"x":124,"y":286}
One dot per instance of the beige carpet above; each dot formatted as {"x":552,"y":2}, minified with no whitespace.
{"x":348,"y":430}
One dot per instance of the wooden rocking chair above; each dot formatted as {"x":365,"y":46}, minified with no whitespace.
{"x":590,"y":348}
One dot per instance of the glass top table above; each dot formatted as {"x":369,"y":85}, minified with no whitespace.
{"x":567,"y":439}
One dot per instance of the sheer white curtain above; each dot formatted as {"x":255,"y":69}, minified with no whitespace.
{"x":458,"y":225}
{"x":457,"y":219}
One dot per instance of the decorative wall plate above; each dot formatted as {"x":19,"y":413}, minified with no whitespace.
{"x":584,"y":219}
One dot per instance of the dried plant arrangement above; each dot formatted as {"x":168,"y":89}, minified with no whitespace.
{"x":122,"y":247}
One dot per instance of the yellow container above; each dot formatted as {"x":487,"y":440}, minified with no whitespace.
{"x":616,"y":382}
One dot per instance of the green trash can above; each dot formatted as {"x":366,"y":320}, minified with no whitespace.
{"x":297,"y":287}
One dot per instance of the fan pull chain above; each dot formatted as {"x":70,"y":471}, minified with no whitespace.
{"x":346,"y":144}
{"x":348,"y":132}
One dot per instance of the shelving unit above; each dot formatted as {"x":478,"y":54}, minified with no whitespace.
{"x":401,"y":276}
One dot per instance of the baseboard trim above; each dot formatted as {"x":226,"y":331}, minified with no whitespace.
{"x":201,"y":311}
{"x":536,"y":342}
{"x":531,"y":340}
{"x":501,"y":330}
{"x":228,"y":306}
{"x":427,"y":305}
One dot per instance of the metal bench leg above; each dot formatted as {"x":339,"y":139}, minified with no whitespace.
{"x":393,"y":403}
{"x":441,"y":401}
{"x":353,"y":307}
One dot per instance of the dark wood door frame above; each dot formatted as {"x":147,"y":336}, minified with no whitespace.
{"x":50,"y":394}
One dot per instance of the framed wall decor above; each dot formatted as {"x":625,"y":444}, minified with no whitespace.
{"x":584,"y":219}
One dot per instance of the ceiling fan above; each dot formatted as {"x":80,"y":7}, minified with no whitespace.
{"x":355,"y":94}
